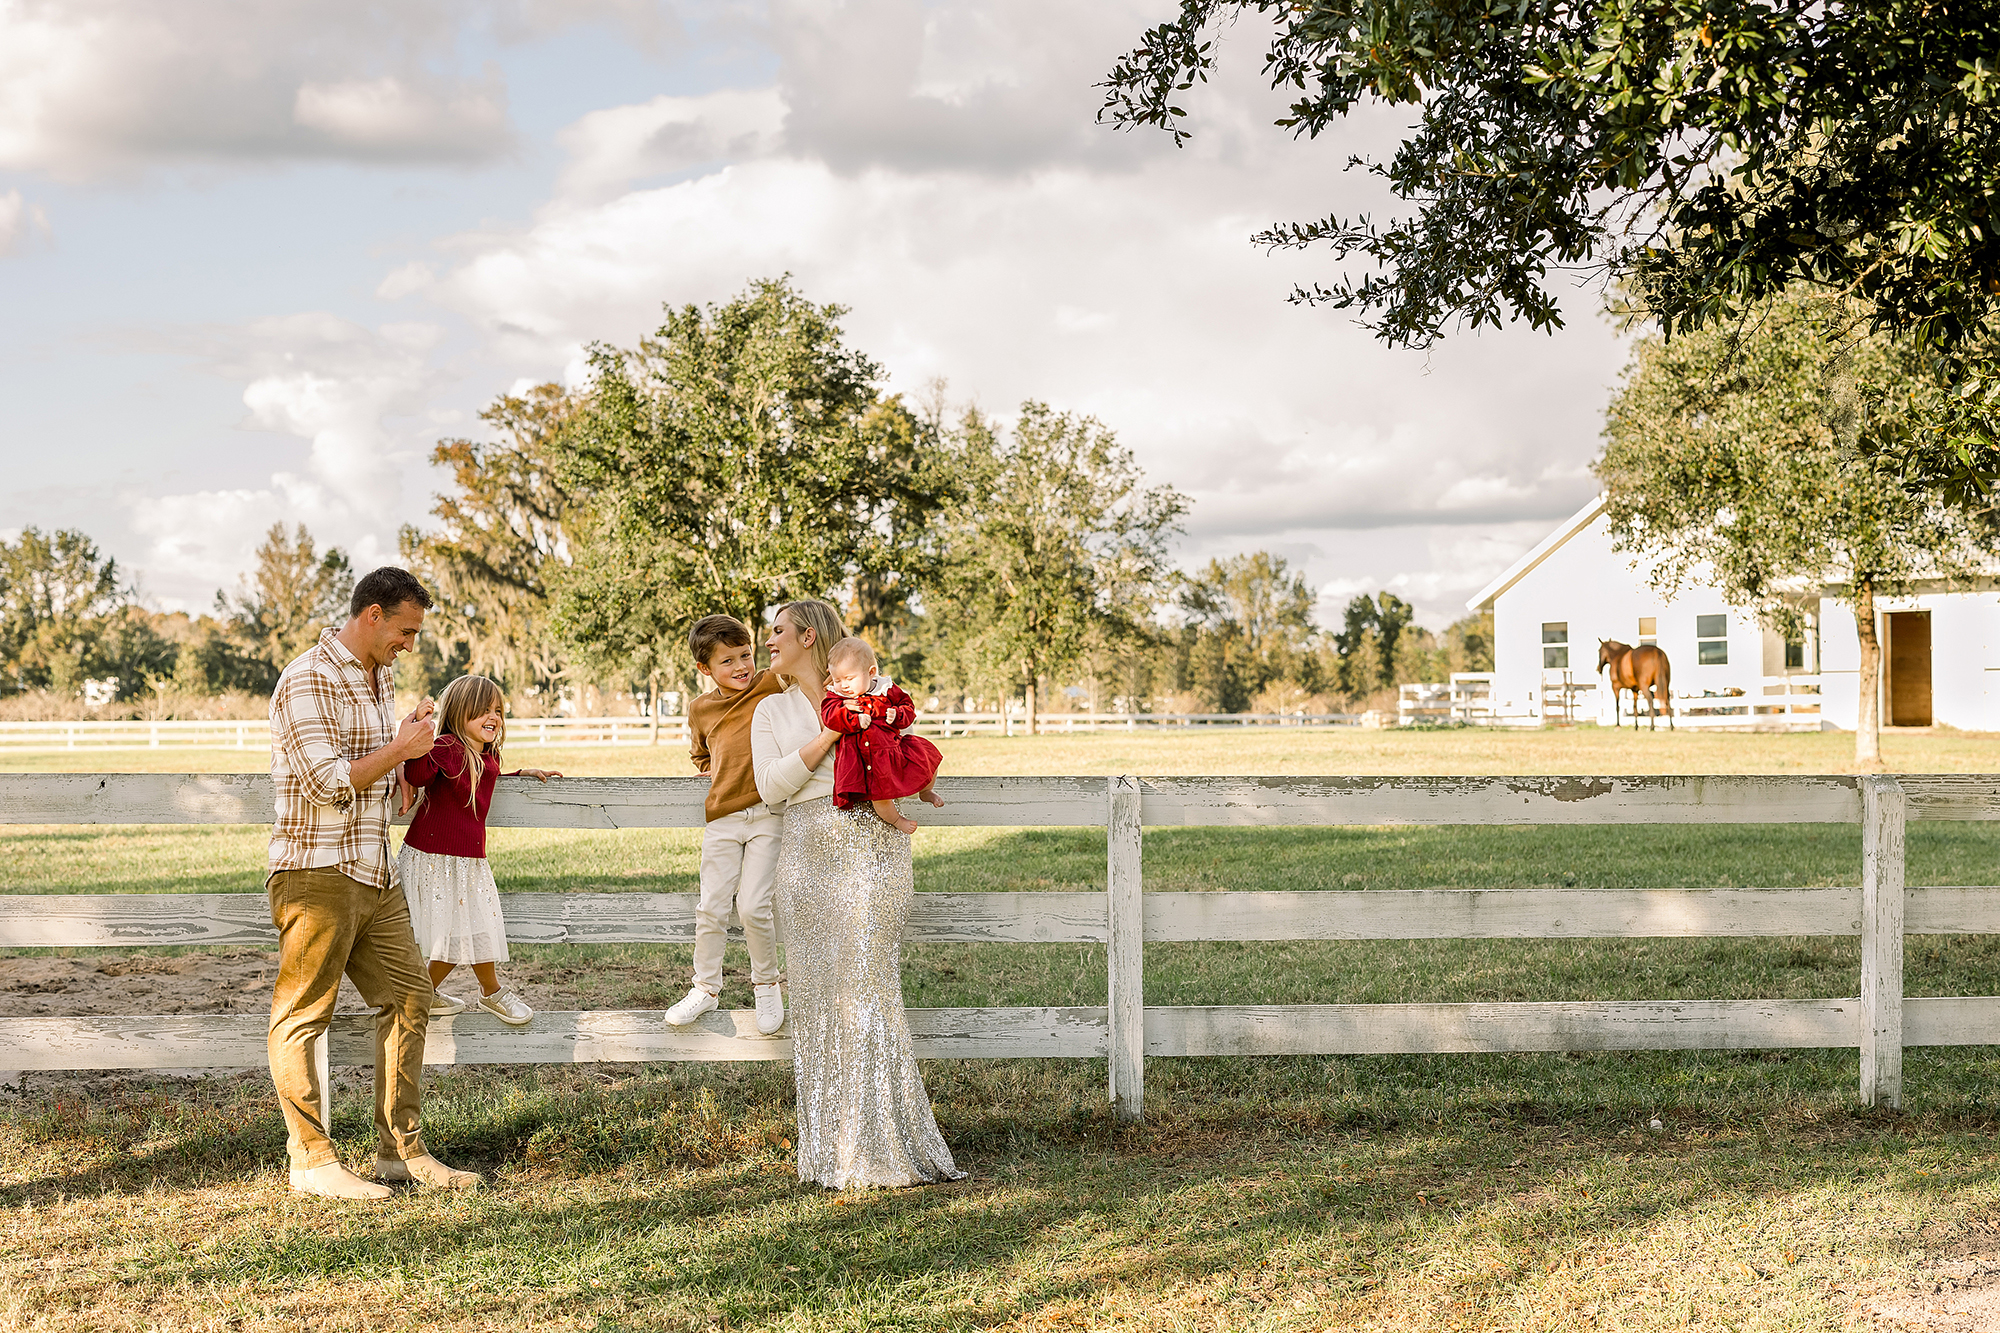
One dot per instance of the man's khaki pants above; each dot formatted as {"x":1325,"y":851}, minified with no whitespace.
{"x":329,"y":924}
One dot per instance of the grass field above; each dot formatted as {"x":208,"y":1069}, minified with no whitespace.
{"x":1491,"y":1192}
{"x":1249,"y":750}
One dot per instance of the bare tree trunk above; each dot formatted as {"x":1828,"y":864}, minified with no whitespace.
{"x":653,"y":707}
{"x":1868,"y":718}
{"x":1031,"y":708}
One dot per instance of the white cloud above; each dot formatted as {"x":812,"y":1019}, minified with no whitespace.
{"x":360,"y":398}
{"x":610,"y":149}
{"x":92,"y":86}
{"x":21,"y":223}
{"x":387,"y":118}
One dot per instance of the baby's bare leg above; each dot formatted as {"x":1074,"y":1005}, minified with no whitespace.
{"x":887,"y":812}
{"x":929,"y":795}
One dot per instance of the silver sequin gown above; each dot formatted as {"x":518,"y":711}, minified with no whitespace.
{"x":844,"y":884}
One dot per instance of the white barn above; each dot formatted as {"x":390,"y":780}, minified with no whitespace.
{"x":1941,"y":650}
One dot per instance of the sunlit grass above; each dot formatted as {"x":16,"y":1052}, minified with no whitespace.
{"x":1414,"y":1192}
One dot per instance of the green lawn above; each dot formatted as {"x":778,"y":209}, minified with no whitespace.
{"x":1446,"y":1192}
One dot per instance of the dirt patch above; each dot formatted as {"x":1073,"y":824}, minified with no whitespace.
{"x":1961,"y":1295}
{"x":240,"y":981}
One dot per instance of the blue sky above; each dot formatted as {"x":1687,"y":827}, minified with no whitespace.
{"x":255,"y":259}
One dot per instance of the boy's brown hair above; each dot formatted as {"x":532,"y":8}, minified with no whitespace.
{"x":712,"y":632}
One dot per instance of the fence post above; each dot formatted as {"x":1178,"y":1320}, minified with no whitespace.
{"x":1125,"y":955}
{"x":1883,"y":808}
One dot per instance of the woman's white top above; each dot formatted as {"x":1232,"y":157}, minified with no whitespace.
{"x":783,"y":725}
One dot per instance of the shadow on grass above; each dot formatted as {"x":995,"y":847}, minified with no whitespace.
{"x":671,"y":1188}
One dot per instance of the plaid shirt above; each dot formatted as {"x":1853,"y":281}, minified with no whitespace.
{"x":326,"y":713}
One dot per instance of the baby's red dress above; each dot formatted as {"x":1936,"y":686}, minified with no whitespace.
{"x":878,"y":762}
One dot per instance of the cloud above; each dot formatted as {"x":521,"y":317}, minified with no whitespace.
{"x":96,"y":86}
{"x":361,"y":400}
{"x":989,"y":88}
{"x":21,"y":223}
{"x":385,"y":118}
{"x":609,"y":150}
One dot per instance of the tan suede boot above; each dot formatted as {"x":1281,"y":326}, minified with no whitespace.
{"x":334,"y":1181}
{"x":425,"y":1170}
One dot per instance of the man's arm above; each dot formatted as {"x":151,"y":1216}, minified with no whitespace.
{"x":413,"y":740}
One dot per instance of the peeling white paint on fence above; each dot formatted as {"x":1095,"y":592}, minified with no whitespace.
{"x":1878,"y":1023}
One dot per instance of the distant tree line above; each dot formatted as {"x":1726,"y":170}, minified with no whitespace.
{"x":743,"y":456}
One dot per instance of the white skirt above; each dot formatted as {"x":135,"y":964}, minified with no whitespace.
{"x":454,"y":907}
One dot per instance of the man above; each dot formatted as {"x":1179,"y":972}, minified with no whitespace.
{"x":335,"y":752}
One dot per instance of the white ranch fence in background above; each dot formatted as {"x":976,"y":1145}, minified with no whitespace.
{"x":246,"y":734}
{"x":1879,"y":1022}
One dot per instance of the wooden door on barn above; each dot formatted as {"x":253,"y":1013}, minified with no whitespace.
{"x":1909,"y":653}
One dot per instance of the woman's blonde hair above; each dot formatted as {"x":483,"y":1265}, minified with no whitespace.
{"x":823,"y":621}
{"x":462,"y":701}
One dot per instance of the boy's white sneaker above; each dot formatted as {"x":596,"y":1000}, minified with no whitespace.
{"x":770,"y":1008}
{"x":692,"y":1006}
{"x":508,"y":1007}
{"x":443,"y":1005}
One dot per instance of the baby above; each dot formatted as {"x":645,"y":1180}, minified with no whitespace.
{"x":875,"y":761}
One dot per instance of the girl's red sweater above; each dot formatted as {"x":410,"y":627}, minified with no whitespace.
{"x":447,"y":824}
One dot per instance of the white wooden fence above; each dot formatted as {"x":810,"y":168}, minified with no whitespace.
{"x":255,"y":734}
{"x":1878,"y":1021}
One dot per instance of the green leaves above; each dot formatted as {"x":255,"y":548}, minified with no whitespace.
{"x":1712,"y":152}
{"x":738,"y":458}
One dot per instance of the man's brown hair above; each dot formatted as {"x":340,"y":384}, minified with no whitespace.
{"x":712,"y":632}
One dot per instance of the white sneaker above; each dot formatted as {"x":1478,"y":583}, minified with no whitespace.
{"x":696,"y":1003}
{"x":443,"y":1005}
{"x":508,"y":1007}
{"x":770,"y":1008}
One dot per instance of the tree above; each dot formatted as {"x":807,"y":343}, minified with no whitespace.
{"x":1057,"y":537}
{"x":294,"y":594}
{"x":1710,"y":153}
{"x":1370,"y":634}
{"x":502,"y":542}
{"x":1252,"y":614}
{"x":1468,"y":643}
{"x":734,"y":460}
{"x":1758,"y":462}
{"x":58,"y":594}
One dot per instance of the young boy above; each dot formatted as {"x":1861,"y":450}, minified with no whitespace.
{"x":739,"y":848}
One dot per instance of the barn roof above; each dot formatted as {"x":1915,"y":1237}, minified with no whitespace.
{"x":1548,"y":546}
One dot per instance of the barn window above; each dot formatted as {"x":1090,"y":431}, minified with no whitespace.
{"x":1555,"y":644}
{"x":1649,"y":630}
{"x":1711,"y":640}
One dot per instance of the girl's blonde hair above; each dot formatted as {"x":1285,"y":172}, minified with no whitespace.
{"x":463,"y":700}
{"x":823,"y":621}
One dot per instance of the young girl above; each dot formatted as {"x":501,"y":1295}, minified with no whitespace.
{"x":874,"y":762}
{"x":454,"y":905}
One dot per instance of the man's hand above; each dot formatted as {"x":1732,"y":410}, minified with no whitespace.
{"x":407,"y":795}
{"x":414,"y":737}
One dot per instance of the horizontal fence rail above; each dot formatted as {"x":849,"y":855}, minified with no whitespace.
{"x":1878,"y":1023}
{"x":255,"y":733}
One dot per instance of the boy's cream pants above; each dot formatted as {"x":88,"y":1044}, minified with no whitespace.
{"x":739,"y":863}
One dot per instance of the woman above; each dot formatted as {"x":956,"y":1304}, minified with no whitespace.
{"x":844,"y":884}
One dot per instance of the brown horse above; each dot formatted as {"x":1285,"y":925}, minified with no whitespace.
{"x":1643,"y":668}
